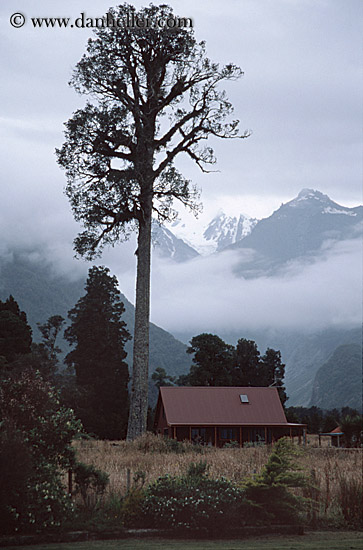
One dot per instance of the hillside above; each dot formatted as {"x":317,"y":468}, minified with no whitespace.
{"x":338,"y":382}
{"x":40,"y":293}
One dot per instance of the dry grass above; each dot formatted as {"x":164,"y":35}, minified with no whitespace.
{"x":152,"y":457}
{"x":329,"y":467}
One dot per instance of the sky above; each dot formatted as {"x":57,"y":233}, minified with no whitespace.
{"x":300,"y":95}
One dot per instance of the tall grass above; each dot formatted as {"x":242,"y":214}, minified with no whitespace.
{"x":334,"y":495}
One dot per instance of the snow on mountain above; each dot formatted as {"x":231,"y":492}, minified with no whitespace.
{"x":211,"y":237}
{"x":299,"y":228}
{"x":318,"y":202}
{"x":167,"y":245}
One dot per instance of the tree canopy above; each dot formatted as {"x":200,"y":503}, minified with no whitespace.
{"x":15,"y":333}
{"x":98,"y":335}
{"x":154,"y":95}
{"x":216,"y":363}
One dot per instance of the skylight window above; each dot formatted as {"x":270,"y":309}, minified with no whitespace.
{"x":244,"y":398}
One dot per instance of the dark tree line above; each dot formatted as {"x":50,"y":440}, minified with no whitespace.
{"x":216,"y":363}
{"x":95,"y":385}
{"x":319,"y":420}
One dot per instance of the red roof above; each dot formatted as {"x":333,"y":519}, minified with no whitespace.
{"x":337,"y":430}
{"x":209,"y":405}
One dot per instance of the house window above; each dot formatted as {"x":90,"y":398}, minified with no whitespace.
{"x":257,"y":435}
{"x":227,"y":433}
{"x":244,"y":398}
{"x":198,"y":435}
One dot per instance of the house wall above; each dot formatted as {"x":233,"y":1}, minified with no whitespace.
{"x":205,"y":435}
{"x":161,"y":423}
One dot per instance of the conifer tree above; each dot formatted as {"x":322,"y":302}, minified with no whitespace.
{"x":247,"y":370}
{"x":212,"y":362}
{"x":15,"y":333}
{"x":98,"y":335}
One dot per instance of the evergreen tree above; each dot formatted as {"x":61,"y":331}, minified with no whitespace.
{"x":15,"y":333}
{"x":247,"y":371}
{"x":212,"y":362}
{"x":98,"y":335}
{"x":119,"y":153}
{"x":270,"y":490}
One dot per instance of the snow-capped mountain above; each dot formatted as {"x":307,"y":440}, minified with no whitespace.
{"x":225,"y":230}
{"x":299,"y":229}
{"x":167,"y":245}
{"x":216,"y":235}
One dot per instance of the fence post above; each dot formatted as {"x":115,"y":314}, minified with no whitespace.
{"x":128,"y":480}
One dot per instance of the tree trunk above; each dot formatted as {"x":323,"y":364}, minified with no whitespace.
{"x":139,"y":392}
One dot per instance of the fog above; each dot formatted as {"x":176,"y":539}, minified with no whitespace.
{"x":204,"y":295}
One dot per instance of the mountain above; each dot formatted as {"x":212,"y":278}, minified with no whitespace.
{"x":167,"y":245}
{"x":337,"y":381}
{"x":298,"y":229}
{"x":224,"y":230}
{"x":41,"y":293}
{"x":220,"y":232}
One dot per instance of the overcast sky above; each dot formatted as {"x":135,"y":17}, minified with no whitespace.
{"x":300,"y":95}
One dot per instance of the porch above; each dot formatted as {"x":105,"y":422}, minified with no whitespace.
{"x":219,"y":436}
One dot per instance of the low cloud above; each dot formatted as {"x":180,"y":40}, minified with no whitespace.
{"x":204,"y":296}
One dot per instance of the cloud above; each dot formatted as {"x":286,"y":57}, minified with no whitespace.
{"x":204,"y":296}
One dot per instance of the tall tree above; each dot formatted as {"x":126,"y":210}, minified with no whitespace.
{"x":120,"y":150}
{"x":247,"y":370}
{"x":212,"y":362}
{"x":98,"y":336}
{"x":15,"y":333}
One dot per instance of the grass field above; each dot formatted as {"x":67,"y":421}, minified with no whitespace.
{"x":329,"y":540}
{"x":335,"y":472}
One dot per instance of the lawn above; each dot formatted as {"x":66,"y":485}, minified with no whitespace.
{"x":314,"y":540}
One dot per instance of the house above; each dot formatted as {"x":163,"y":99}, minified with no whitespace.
{"x":336,"y":437}
{"x":219,"y":415}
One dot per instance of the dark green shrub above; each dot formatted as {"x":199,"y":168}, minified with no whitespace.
{"x":194,"y":502}
{"x":36,"y":435}
{"x":91,"y":483}
{"x":132,"y":507}
{"x":269,"y":490}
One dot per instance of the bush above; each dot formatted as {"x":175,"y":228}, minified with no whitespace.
{"x":269,"y":490}
{"x":91,"y":483}
{"x":194,"y":502}
{"x":35,"y":436}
